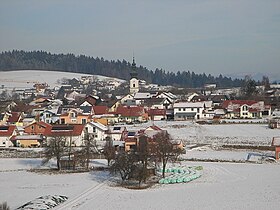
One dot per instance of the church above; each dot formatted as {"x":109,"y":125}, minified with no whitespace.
{"x":134,"y":81}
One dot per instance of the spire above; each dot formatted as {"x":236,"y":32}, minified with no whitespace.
{"x":133,"y":72}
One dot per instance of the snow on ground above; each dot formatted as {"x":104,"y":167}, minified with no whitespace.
{"x":191,"y":132}
{"x":222,"y":186}
{"x":27,"y":78}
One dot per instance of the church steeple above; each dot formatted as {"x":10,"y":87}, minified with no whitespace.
{"x":134,"y":82}
{"x":133,"y":73}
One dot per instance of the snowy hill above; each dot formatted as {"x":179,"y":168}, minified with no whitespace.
{"x":27,"y":78}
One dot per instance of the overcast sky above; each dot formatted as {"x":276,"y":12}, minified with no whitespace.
{"x":211,"y":36}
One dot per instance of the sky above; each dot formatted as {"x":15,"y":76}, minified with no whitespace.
{"x":210,"y":36}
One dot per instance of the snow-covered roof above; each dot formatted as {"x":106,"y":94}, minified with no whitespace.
{"x":140,"y":95}
{"x":193,"y":104}
{"x":98,"y":125}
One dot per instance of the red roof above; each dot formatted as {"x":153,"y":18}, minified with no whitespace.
{"x":7,"y":130}
{"x":15,"y":117}
{"x":99,"y":110}
{"x":90,"y":99}
{"x":65,"y":130}
{"x":154,"y":112}
{"x":130,"y":111}
{"x":42,"y":124}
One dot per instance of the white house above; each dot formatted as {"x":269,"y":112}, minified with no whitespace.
{"x":193,"y":110}
{"x":6,"y":132}
{"x":167,"y":95}
{"x":97,"y":129}
{"x":117,"y":132}
{"x":49,"y":116}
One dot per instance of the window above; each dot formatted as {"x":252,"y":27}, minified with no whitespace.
{"x":84,"y":121}
{"x":179,"y":109}
{"x":192,"y":109}
{"x":73,"y":114}
{"x":133,"y":85}
{"x":184,"y":109}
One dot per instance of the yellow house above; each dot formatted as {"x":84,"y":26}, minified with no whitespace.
{"x":27,"y":140}
{"x":74,"y":117}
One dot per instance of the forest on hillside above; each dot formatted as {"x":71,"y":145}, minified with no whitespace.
{"x":40,"y":60}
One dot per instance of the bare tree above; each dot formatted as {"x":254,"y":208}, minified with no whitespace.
{"x":163,"y":149}
{"x":89,"y":148}
{"x":55,"y":149}
{"x":109,"y":150}
{"x":144,"y":156}
{"x":124,"y":165}
{"x":4,"y":206}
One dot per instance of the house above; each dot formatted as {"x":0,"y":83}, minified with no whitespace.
{"x":49,"y":116}
{"x":130,"y":114}
{"x":199,"y":98}
{"x":190,"y":96}
{"x":90,"y":100}
{"x":37,"y":128}
{"x":140,"y":97}
{"x":40,"y":87}
{"x":128,"y":97}
{"x":167,"y":95}
{"x":98,"y":131}
{"x":218,"y":99}
{"x":73,"y":133}
{"x":100,"y":110}
{"x":15,"y":118}
{"x":193,"y":110}
{"x":157,"y":103}
{"x":40,"y":102}
{"x":117,"y":132}
{"x":131,"y":141}
{"x":157,"y":114}
{"x":246,"y":109}
{"x":7,"y":106}
{"x":6,"y":132}
{"x":27,"y":140}
{"x":274,"y":122}
{"x":4,"y":117}
{"x":74,"y":116}
{"x":114,"y":106}
{"x":276,"y":144}
{"x":86,"y":110}
{"x":134,"y":139}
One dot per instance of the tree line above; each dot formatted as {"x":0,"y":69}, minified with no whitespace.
{"x":41,"y":60}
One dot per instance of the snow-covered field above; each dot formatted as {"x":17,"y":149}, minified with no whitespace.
{"x":222,"y":186}
{"x":190,"y":132}
{"x":27,"y":78}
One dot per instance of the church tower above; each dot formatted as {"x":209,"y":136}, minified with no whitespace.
{"x":134,"y":82}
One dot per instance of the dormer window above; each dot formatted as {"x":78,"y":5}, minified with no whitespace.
{"x":245,"y":108}
{"x":73,"y":114}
